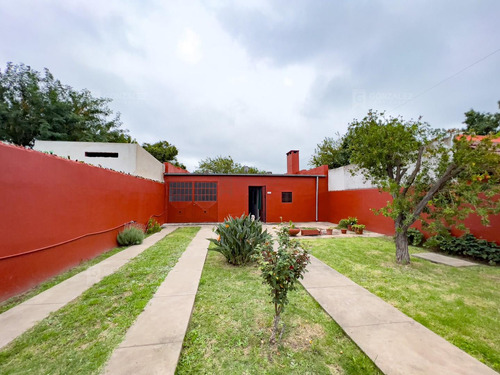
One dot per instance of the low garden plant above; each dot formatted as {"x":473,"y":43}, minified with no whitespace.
{"x":131,"y":235}
{"x":352,"y":220}
{"x":466,"y":245}
{"x":358,"y":228}
{"x":153,"y":226}
{"x":238,"y":239}
{"x":343,"y":224}
{"x":415,"y":237}
{"x":281,"y":269}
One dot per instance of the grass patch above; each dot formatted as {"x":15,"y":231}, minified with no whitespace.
{"x":460,"y":304}
{"x":79,"y":338}
{"x":231,"y":325}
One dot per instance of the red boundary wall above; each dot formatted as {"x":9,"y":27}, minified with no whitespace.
{"x":46,"y":200}
{"x":359,"y":203}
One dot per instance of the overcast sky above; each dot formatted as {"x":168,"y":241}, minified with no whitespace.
{"x":255,"y":79}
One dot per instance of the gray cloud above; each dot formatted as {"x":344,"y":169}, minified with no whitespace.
{"x":254,"y":80}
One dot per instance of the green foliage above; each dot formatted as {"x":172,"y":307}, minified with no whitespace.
{"x":332,"y":152}
{"x":238,"y":239}
{"x":343,"y":224}
{"x":164,"y":152}
{"x":281,"y":270}
{"x":356,"y":227}
{"x":153,"y":226}
{"x":225,"y":165}
{"x":466,"y":245}
{"x":33,"y":106}
{"x":482,"y":123}
{"x":427,"y":171}
{"x":415,"y":237}
{"x":351,"y":220}
{"x":131,"y":235}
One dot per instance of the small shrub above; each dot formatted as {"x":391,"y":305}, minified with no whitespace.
{"x":131,"y":235}
{"x":238,"y":239}
{"x":153,"y":226}
{"x":352,"y":220}
{"x":466,"y":245}
{"x":415,"y":237}
{"x":343,"y":224}
{"x":281,"y":270}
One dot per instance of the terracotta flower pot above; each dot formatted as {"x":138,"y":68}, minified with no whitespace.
{"x":344,"y":231}
{"x":329,"y":232}
{"x":349,"y":227}
{"x":359,"y":231}
{"x":293,"y":231}
{"x":309,"y":232}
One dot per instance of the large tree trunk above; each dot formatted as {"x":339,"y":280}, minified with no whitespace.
{"x":402,"y":254}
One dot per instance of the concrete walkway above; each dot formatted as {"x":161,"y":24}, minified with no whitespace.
{"x":394,"y":342}
{"x":153,"y":344}
{"x":443,"y":259}
{"x":22,"y":317}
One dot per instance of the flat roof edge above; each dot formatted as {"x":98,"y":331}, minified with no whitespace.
{"x":240,"y":175}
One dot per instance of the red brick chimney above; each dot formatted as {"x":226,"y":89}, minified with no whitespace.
{"x":292,"y":162}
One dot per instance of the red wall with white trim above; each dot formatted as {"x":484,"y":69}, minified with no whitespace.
{"x":45,"y":200}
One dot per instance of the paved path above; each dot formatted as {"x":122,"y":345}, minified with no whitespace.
{"x":395,"y":343}
{"x":153,"y":344}
{"x":443,"y":259}
{"x":22,"y":317}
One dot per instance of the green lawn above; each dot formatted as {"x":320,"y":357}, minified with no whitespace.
{"x":80,"y":337}
{"x":460,"y":304}
{"x":231,"y":325}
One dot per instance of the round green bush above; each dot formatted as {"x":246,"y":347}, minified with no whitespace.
{"x":130,"y":236}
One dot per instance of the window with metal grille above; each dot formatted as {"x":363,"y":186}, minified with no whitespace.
{"x":286,"y":197}
{"x":205,"y":191}
{"x":181,"y":192}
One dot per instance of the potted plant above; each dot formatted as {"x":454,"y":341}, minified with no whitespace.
{"x":329,"y":231}
{"x":352,"y":220}
{"x":309,"y":231}
{"x":343,"y":224}
{"x":292,"y":231}
{"x":358,"y":228}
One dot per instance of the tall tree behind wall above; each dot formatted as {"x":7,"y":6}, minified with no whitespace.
{"x":35,"y":106}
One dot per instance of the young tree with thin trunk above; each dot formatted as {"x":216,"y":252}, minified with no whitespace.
{"x":426,"y":171}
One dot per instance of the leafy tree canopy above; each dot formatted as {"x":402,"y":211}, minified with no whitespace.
{"x":35,"y":106}
{"x":164,"y":152}
{"x":443,"y":175}
{"x":482,"y":123}
{"x":334,"y":152}
{"x":226,"y":165}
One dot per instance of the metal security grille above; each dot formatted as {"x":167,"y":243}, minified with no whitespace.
{"x":181,"y":192}
{"x":286,"y":197}
{"x":205,"y":191}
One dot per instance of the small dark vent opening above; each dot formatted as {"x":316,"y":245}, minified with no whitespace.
{"x":101,"y":154}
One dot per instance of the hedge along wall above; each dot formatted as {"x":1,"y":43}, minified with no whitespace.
{"x":46,"y":200}
{"x":360,"y":202}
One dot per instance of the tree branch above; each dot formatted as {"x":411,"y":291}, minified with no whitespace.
{"x":452,"y":171}
{"x":415,"y":171}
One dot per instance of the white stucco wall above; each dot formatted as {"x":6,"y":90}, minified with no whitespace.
{"x":341,"y":179}
{"x":148,"y":166}
{"x":132,"y":158}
